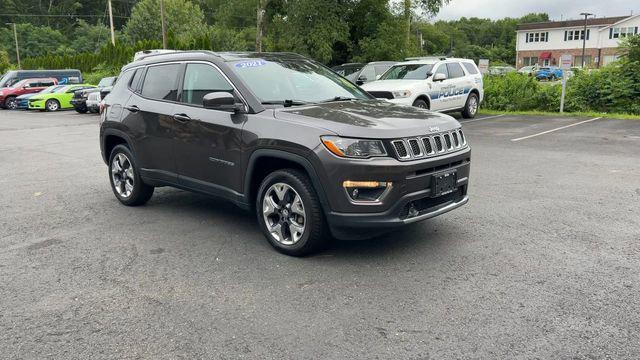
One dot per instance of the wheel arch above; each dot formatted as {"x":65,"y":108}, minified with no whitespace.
{"x":425,"y":98}
{"x":264,"y":161}
{"x":110,"y":139}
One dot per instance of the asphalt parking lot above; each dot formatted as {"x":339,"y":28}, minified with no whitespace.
{"x":544,"y":261}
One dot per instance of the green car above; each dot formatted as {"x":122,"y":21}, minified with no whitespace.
{"x":55,"y":101}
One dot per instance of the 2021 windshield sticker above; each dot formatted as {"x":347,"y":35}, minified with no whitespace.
{"x":252,"y":63}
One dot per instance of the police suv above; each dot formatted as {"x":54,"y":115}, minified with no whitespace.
{"x":438,"y":84}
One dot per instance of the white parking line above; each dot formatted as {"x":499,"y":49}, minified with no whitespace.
{"x":556,"y":129}
{"x":480,"y":119}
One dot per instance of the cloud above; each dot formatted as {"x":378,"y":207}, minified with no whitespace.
{"x":497,"y":9}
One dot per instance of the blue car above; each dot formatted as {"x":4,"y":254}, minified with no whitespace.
{"x":550,"y":73}
{"x":23,"y":100}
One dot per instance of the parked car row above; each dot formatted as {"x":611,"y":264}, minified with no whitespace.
{"x":51,"y":90}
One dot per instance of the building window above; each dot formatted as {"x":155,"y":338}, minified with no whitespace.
{"x":608,"y":59}
{"x":537,"y":37}
{"x":530,"y":61}
{"x":622,"y":32}
{"x":577,"y":60}
{"x":571,"y":35}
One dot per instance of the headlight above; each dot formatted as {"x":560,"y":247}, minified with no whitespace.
{"x":354,"y":148}
{"x":401,"y":94}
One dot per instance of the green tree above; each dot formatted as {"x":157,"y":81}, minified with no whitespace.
{"x":311,"y":27}
{"x":90,"y":38}
{"x":4,"y":61}
{"x":184,"y":20}
{"x":33,"y":41}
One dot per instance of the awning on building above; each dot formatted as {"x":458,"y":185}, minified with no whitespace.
{"x":545,"y":55}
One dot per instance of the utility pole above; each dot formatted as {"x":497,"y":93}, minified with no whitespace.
{"x":164,"y":25}
{"x":113,"y":33}
{"x":15,"y":37}
{"x":584,"y":36}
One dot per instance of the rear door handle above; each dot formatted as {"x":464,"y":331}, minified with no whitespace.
{"x":181,"y":117}
{"x":132,"y":108}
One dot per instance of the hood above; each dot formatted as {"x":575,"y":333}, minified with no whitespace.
{"x":393,"y":85}
{"x":369,"y":119}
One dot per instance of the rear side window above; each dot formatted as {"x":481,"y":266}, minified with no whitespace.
{"x":161,"y":82}
{"x":123,"y":81}
{"x":471,"y":68}
{"x":455,"y":70}
{"x":201,"y":79}
{"x":45,"y":83}
{"x":134,"y":84}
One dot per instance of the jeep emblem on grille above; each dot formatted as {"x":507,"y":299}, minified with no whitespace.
{"x":434,"y":128}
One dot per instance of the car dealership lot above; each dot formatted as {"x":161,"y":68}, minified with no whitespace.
{"x":542,"y":263}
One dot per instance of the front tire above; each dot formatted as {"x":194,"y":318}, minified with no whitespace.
{"x":290,"y":215}
{"x":81,"y":110}
{"x":471,"y":106}
{"x":125,"y":179}
{"x":419,"y":103}
{"x":52,"y":105}
{"x":11,"y":103}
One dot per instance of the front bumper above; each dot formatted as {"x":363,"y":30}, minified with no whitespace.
{"x":78,"y":103}
{"x":36,"y":104}
{"x":411,"y":190}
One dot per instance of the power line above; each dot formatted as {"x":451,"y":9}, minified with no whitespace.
{"x":60,"y":15}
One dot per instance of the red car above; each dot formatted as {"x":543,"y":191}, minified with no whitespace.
{"x":27,"y":86}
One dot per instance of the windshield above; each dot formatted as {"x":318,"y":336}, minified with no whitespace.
{"x":51,"y":89}
{"x":408,"y":72}
{"x":8,"y":79}
{"x":297,"y":80}
{"x":347,"y":69}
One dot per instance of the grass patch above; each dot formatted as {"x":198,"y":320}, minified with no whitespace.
{"x":556,"y":114}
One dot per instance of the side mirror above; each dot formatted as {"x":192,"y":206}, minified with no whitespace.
{"x":378,"y":76}
{"x":361,"y":80}
{"x":221,"y":100}
{"x":439,"y":77}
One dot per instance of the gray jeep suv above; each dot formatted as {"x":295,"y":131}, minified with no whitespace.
{"x":311,"y":153}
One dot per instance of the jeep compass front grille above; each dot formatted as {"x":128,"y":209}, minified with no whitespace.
{"x":429,"y":145}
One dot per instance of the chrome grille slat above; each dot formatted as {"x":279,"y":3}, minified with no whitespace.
{"x":429,"y":145}
{"x":416,"y":150}
{"x":401,"y":149}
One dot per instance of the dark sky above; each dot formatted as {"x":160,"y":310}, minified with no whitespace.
{"x":557,"y":9}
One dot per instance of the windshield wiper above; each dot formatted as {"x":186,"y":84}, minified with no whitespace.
{"x":286,"y":102}
{"x":339,"y":98}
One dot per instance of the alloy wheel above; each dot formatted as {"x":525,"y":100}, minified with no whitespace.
{"x":284,"y":213}
{"x":52,"y":105}
{"x":12,"y":104}
{"x":473,"y":105}
{"x":122,"y":175}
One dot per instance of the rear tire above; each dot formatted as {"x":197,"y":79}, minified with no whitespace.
{"x":471,"y":107}
{"x":52,"y":105}
{"x":290,"y":215}
{"x":419,"y":103}
{"x":125,"y":179}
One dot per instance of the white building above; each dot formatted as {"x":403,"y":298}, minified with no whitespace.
{"x":544,"y":43}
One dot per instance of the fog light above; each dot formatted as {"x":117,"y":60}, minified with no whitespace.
{"x":366,"y":190}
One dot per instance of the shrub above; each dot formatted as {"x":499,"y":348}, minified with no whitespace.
{"x":511,"y":92}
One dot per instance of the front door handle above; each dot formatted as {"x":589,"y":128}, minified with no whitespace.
{"x":132,"y":108}
{"x":181,"y":117}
